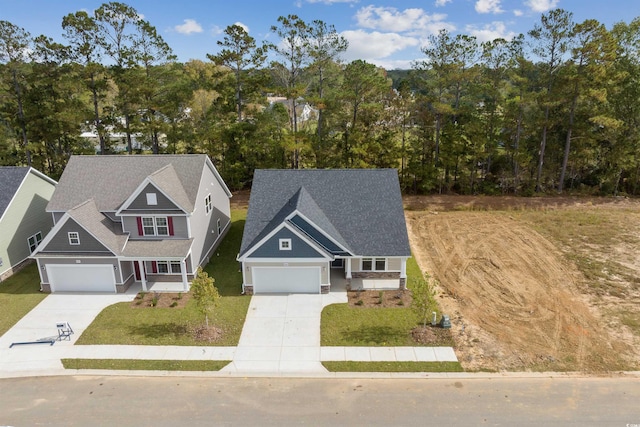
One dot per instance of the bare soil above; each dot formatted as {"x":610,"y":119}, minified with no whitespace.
{"x":516,"y":300}
{"x":160,"y":300}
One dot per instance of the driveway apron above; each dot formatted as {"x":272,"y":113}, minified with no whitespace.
{"x":78,"y":309}
{"x":282,"y":334}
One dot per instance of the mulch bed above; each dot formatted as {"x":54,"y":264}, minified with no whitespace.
{"x":160,"y":300}
{"x":372,"y":298}
{"x":208,"y":334}
{"x":432,"y":335}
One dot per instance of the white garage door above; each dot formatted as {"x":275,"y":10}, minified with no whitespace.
{"x":303,"y":280}
{"x":81,"y":278}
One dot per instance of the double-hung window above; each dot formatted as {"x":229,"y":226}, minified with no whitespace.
{"x":34,"y":241}
{"x":74,"y":238}
{"x":155,"y":226}
{"x":166,"y":267}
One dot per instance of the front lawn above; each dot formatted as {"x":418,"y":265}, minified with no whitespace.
{"x":123,"y":324}
{"x":343,"y":325}
{"x":18,"y":295}
{"x":145,"y":365}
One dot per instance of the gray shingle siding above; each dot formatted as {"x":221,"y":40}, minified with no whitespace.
{"x":299,"y":248}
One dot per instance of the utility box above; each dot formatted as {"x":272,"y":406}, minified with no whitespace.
{"x":445,"y":322}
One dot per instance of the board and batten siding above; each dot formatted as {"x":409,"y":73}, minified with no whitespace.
{"x":24,"y":217}
{"x":299,"y":248}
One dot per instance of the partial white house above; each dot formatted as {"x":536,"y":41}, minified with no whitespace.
{"x":132,"y":219}
{"x":24,"y":222}
{"x":301,"y":224}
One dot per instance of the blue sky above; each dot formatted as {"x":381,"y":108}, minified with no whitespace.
{"x":388,"y":33}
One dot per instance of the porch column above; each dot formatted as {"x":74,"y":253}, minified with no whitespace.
{"x":348,"y":273}
{"x":403,"y":268}
{"x":143,"y":276}
{"x":183,"y":270}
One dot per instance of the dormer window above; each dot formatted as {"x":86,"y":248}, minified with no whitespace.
{"x":74,"y":238}
{"x":285,"y":244}
{"x":152,"y":199}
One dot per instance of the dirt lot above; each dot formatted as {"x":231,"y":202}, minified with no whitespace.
{"x":534,"y":284}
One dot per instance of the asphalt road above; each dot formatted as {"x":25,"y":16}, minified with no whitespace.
{"x":143,"y":401}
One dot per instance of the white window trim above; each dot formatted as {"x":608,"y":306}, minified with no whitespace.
{"x":208,"y":207}
{"x":36,"y":241}
{"x":152,"y":199}
{"x":73,"y":235}
{"x":284,"y":244}
{"x":169,"y":265}
{"x":373,"y":263}
{"x":155,"y":225}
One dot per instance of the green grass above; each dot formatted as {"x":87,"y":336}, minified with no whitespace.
{"x":145,"y":365}
{"x":393,"y":366}
{"x":18,"y":295}
{"x":122,"y":324}
{"x":342,"y":325}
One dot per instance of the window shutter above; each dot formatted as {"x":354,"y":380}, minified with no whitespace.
{"x":170,"y":224}
{"x":154,"y":267}
{"x":139,"y":219}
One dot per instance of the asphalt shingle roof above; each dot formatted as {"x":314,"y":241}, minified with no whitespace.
{"x":87,"y":215}
{"x":10,"y":179}
{"x":360,"y":208}
{"x":110,"y":180}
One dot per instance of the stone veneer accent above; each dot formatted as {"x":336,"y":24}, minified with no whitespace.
{"x":46,"y":288}
{"x":403,"y":283}
{"x":324,"y":289}
{"x":248,"y":289}
{"x":375,"y":275}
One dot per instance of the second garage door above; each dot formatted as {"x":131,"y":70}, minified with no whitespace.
{"x":305,"y":280}
{"x":81,"y":278}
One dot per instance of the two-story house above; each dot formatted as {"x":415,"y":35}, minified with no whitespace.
{"x":126,"y":219}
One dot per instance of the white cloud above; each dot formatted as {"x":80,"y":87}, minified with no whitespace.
{"x":413,"y":21}
{"x":440,"y":3}
{"x":216,"y":30}
{"x":393,"y":64}
{"x":488,"y":6}
{"x":541,"y":5}
{"x":190,"y":26}
{"x":240,"y":24}
{"x":518,"y":12}
{"x":492,"y":31}
{"x":375,"y":45}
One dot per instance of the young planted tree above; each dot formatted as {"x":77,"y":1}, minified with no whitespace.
{"x":205,"y":294}
{"x":423,"y":295}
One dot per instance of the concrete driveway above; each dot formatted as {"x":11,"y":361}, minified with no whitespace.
{"x":282,"y":334}
{"x":78,"y":309}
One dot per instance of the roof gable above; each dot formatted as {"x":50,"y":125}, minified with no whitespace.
{"x":363,"y":206}
{"x":111,"y":180}
{"x":11,"y":178}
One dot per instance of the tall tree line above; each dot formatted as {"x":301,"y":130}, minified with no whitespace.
{"x":554,"y":110}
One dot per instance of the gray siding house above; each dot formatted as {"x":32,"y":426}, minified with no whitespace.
{"x":132,"y":219}
{"x":303,"y":224}
{"x":24,"y":222}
